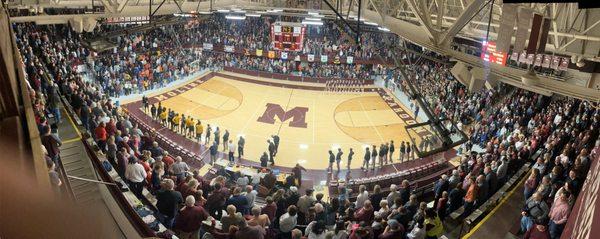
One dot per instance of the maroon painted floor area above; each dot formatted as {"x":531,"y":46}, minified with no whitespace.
{"x":199,"y":155}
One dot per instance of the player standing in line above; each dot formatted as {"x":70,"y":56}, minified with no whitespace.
{"x":207,"y":134}
{"x":153,"y":111}
{"x":373,"y":157}
{"x":402,"y":151}
{"x":189,"y":123}
{"x":350,"y":154}
{"x":366,"y":159}
{"x":338,"y":159}
{"x":381,"y":153}
{"x":392,"y":149}
{"x":145,"y":103}
{"x":199,"y":130}
{"x":163,"y":117}
{"x":241,"y":142}
{"x":231,"y":154}
{"x":331,"y":160}
{"x":217,"y":136}
{"x":408,"y":149}
{"x":276,"y":142}
{"x":271,"y":148}
{"x":225,"y":140}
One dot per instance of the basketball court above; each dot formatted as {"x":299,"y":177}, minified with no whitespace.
{"x":308,"y":120}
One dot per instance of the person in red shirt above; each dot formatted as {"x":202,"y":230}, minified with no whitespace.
{"x":189,"y":219}
{"x":101,"y":135}
{"x":167,"y":159}
{"x":111,"y":128}
{"x":270,"y":208}
{"x":365,"y":214}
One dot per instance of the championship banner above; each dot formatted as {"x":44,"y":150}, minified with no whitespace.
{"x":530,"y":58}
{"x":259,"y":52}
{"x":547,"y":60}
{"x":310,"y":57}
{"x":564,"y":64}
{"x":538,"y":60}
{"x":270,"y":54}
{"x":349,"y":59}
{"x":336,"y":60}
{"x":297,"y":58}
{"x":555,"y":62}
{"x":514,"y":56}
{"x":523,"y":57}
{"x":207,"y":46}
{"x":284,"y":55}
{"x":229,"y":49}
{"x":324,"y":58}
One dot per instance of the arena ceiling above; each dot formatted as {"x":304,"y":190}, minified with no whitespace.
{"x":573,"y":31}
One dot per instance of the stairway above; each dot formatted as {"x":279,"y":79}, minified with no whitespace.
{"x":76,"y":163}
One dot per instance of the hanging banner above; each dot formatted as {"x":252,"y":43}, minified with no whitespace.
{"x":324,"y":58}
{"x":271,"y":54}
{"x":349,"y":59}
{"x":514,"y":56}
{"x":538,"y":60}
{"x":336,"y":60}
{"x":229,"y":49}
{"x":258,"y":52}
{"x":555,"y":62}
{"x":564,"y":64}
{"x":297,"y":58}
{"x":284,"y":55}
{"x":311,"y":57}
{"x":547,"y":60}
{"x":207,"y":46}
{"x":523,"y":57}
{"x":530,"y":58}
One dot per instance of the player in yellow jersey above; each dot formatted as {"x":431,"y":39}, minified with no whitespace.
{"x":199,"y":130}
{"x":189,"y":125}
{"x":175,"y":123}
{"x":163,"y":117}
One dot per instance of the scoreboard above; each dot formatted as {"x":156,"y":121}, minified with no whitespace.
{"x":490,"y":54}
{"x":287,"y":36}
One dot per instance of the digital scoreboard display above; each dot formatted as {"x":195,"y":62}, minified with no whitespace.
{"x":490,"y":54}
{"x":287,"y":36}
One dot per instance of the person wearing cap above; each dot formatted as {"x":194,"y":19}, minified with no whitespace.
{"x":393,"y":230}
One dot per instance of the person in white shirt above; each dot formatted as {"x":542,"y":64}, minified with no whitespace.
{"x":289,"y":220}
{"x":250,"y":195}
{"x":316,"y":230}
{"x":179,"y":168}
{"x":418,"y":231}
{"x":363,"y":195}
{"x":231,"y":150}
{"x":136,"y":175}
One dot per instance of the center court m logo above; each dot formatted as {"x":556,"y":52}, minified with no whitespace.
{"x":297,"y":114}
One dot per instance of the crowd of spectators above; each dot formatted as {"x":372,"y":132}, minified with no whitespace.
{"x":148,"y":60}
{"x":563,"y":130}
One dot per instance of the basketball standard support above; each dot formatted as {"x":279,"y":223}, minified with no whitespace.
{"x":357,"y":30}
{"x":434,"y":121}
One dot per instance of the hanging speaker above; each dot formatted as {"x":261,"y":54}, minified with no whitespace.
{"x":90,"y":24}
{"x":77,"y":24}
